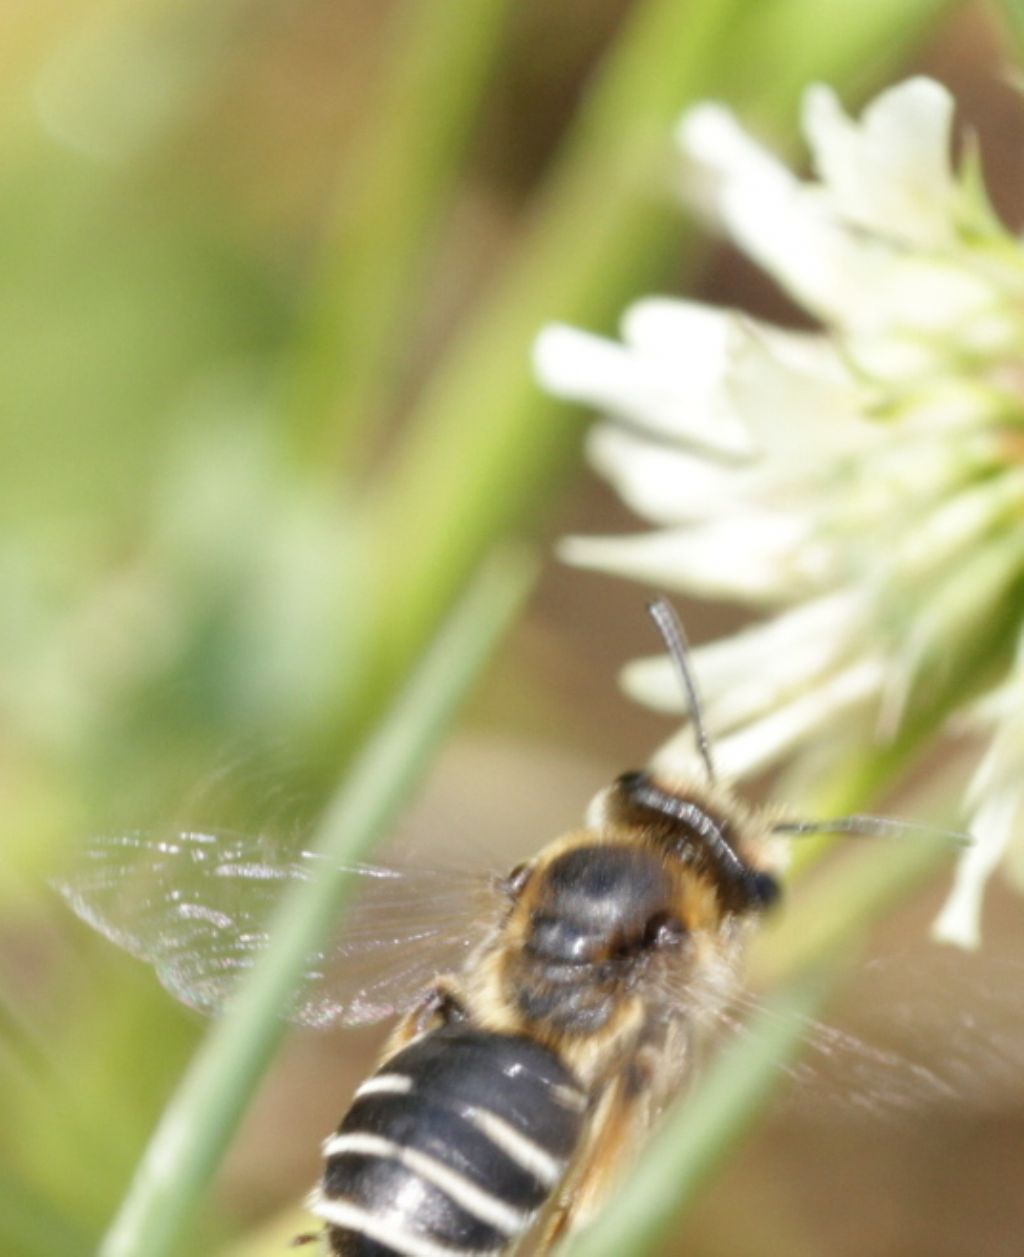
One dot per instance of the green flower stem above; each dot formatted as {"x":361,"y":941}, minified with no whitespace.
{"x":700,"y":1131}
{"x":392,"y":195}
{"x":483,"y":448}
{"x":198,"y":1123}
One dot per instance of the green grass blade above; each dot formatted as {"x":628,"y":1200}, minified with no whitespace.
{"x":198,"y":1122}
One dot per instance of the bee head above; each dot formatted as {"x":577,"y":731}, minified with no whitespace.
{"x":694,"y":828}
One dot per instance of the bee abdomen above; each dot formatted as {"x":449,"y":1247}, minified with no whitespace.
{"x":450,"y":1148}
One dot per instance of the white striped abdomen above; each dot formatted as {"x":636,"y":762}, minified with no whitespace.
{"x":451,"y":1148}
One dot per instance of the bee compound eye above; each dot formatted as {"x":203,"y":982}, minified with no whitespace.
{"x":664,"y":930}
{"x":763,"y":889}
{"x":632,"y":780}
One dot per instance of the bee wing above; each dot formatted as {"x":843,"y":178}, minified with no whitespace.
{"x":911,"y":1032}
{"x":196,"y":906}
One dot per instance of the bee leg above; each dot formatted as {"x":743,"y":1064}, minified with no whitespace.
{"x":622,"y":1114}
{"x":437,"y":1006}
{"x":307,"y":1237}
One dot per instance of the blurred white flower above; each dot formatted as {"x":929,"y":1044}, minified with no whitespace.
{"x":865,"y":483}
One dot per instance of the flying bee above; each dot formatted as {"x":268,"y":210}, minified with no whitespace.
{"x":520,"y":1077}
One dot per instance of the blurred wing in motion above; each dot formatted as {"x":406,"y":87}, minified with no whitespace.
{"x":196,"y":906}
{"x":921,"y":1030}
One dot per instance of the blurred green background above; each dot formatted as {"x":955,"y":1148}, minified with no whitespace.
{"x":269,"y":272}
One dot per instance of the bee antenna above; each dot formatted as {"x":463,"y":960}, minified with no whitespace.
{"x":860,"y":825}
{"x":667,"y":623}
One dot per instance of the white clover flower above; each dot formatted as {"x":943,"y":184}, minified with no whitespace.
{"x":864,"y":483}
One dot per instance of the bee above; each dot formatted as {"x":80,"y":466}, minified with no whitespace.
{"x":520,"y":1078}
